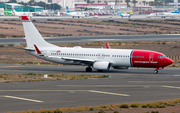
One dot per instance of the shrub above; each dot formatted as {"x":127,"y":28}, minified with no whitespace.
{"x":101,"y":111}
{"x":2,"y":36}
{"x":124,"y":106}
{"x":10,"y":45}
{"x":152,"y":105}
{"x":144,"y":106}
{"x":30,"y":74}
{"x":154,"y":111}
{"x":115,"y":112}
{"x":51,"y":75}
{"x":134,"y":105}
{"x":1,"y":45}
{"x":91,"y":109}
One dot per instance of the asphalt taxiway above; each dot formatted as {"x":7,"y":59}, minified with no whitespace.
{"x":99,"y":18}
{"x":123,"y":86}
{"x":89,"y":39}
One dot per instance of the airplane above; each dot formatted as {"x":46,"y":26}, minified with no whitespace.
{"x":75,"y":14}
{"x":19,"y":14}
{"x":126,"y":15}
{"x":98,"y":58}
{"x":165,"y":14}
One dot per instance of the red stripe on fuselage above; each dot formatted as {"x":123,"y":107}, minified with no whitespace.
{"x":142,"y":58}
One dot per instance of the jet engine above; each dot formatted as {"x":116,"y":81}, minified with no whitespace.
{"x":102,"y":65}
{"x":117,"y":67}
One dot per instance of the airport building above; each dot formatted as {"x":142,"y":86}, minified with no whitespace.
{"x":19,"y":8}
{"x":115,"y":2}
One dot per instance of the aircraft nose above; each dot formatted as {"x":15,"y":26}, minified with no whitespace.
{"x":169,"y":61}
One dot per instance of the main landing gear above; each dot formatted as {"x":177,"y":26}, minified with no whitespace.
{"x":88,"y":69}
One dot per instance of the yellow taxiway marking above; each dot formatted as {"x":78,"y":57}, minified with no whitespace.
{"x":171,"y":87}
{"x":94,"y":91}
{"x":22,"y":98}
{"x":108,"y":93}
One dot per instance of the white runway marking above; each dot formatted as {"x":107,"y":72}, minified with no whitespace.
{"x":154,"y":81}
{"x":176,"y":75}
{"x":57,"y":91}
{"x":108,"y":93}
{"x":171,"y":87}
{"x":108,"y":85}
{"x":22,"y":98}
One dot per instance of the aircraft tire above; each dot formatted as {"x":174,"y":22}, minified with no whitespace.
{"x":78,"y":16}
{"x":88,"y":69}
{"x":100,"y":70}
{"x":155,"y":71}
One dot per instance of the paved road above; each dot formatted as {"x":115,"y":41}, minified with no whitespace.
{"x":123,"y":86}
{"x":88,"y":39}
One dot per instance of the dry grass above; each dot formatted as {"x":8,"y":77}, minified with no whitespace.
{"x":170,"y":106}
{"x":87,"y":27}
{"x":32,"y":77}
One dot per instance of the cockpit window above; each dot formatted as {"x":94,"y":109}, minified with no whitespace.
{"x":162,"y":56}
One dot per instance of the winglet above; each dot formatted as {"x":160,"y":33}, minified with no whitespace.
{"x":107,"y":45}
{"x":24,"y":39}
{"x":37,"y":50}
{"x":24,"y":18}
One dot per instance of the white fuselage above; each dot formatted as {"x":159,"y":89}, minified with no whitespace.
{"x":165,"y":14}
{"x":29,"y":14}
{"x":125,"y":15}
{"x":76,"y":14}
{"x":118,"y":57}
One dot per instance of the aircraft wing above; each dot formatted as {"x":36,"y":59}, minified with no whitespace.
{"x":78,"y":59}
{"x":24,"y":49}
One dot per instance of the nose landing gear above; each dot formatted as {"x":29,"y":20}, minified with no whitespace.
{"x":158,"y":68}
{"x":155,"y":71}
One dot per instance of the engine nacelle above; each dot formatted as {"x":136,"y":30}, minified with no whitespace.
{"x":102,"y":65}
{"x":118,"y":67}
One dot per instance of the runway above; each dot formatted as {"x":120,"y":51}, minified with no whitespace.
{"x":89,"y":39}
{"x":123,"y":86}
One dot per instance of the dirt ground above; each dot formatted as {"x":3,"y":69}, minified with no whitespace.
{"x":87,"y":27}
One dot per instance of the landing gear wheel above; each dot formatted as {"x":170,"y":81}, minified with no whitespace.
{"x":88,"y":69}
{"x":100,"y":70}
{"x":72,"y":17}
{"x":78,"y":16}
{"x":155,"y":71}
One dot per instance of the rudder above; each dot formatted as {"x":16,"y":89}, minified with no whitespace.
{"x":32,"y":35}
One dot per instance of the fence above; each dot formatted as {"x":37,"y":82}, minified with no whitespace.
{"x":175,"y":58}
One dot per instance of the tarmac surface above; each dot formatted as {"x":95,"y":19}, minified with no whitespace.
{"x":89,"y":39}
{"x":123,"y":86}
{"x":100,"y":18}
